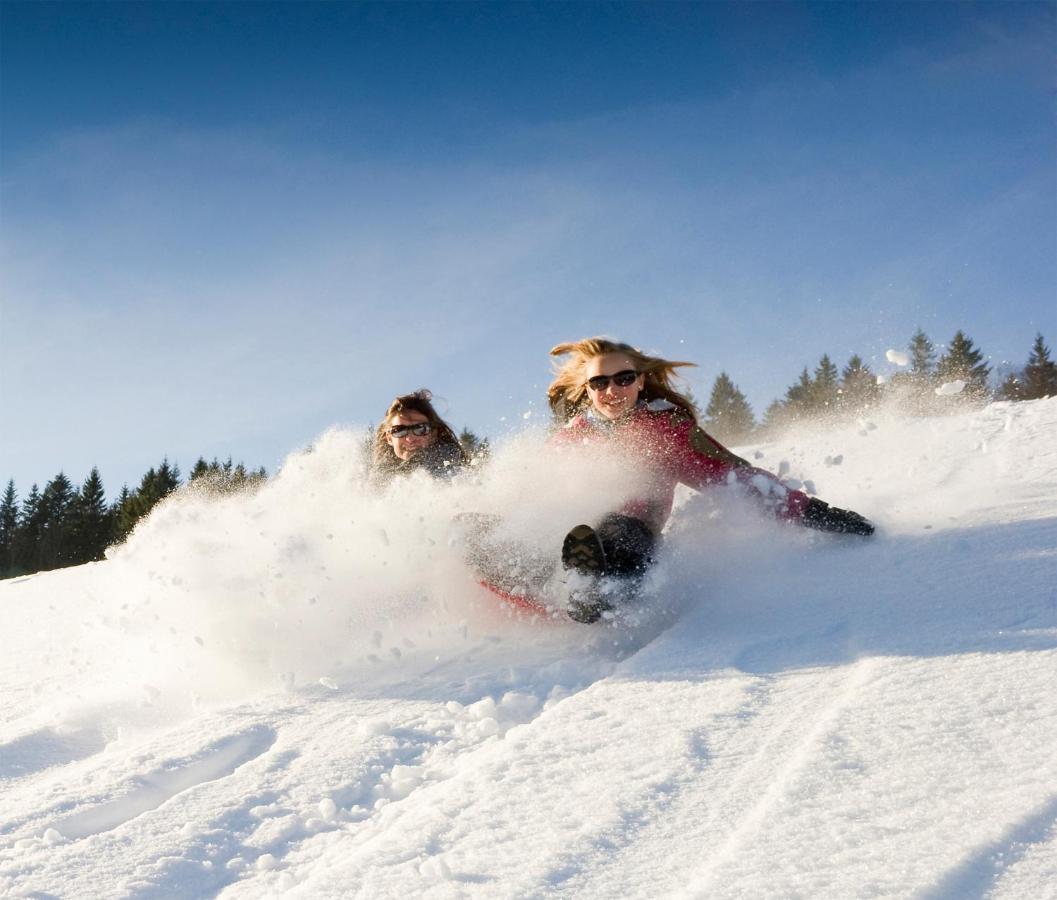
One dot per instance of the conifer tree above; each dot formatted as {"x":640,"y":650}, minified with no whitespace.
{"x":473,"y":446}
{"x":1012,"y":388}
{"x":8,"y":530}
{"x":964,"y":362}
{"x":92,"y":522}
{"x":773,"y":417}
{"x":123,"y":514}
{"x":824,"y":387}
{"x":728,"y":416}
{"x":55,"y":544}
{"x":858,"y":386}
{"x":200,"y":470}
{"x":799,"y":396}
{"x":1040,"y":374}
{"x":30,"y":529}
{"x":922,"y":356}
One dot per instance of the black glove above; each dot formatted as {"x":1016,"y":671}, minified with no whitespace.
{"x":824,"y":517}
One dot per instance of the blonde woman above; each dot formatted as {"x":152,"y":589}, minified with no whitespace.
{"x":413,"y":437}
{"x":605,"y":391}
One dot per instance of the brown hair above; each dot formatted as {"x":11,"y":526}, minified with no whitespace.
{"x":567,"y":394}
{"x":421,"y":402}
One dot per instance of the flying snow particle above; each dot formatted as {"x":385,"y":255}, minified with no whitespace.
{"x":950,"y":388}
{"x":328,"y":683}
{"x":881,"y":379}
{"x":898,"y":357}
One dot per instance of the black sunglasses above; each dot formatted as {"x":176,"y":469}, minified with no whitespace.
{"x":622,"y":379}
{"x":419,"y":429}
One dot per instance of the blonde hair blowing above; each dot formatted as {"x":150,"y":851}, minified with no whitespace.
{"x":567,"y":394}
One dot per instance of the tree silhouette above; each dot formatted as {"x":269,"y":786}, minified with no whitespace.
{"x":1040,"y":374}
{"x":728,"y":416}
{"x":964,"y":362}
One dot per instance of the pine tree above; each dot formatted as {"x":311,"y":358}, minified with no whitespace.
{"x":154,"y":487}
{"x":56,"y":545}
{"x":1012,"y":388}
{"x":91,"y":520}
{"x":824,"y":388}
{"x":799,"y":396}
{"x":1040,"y":374}
{"x":30,"y":529}
{"x":8,"y":530}
{"x":200,"y":470}
{"x":123,"y":514}
{"x":964,"y":362}
{"x":473,"y":446}
{"x":922,"y":356}
{"x":775,"y":418}
{"x":728,"y":416}
{"x":858,"y":386}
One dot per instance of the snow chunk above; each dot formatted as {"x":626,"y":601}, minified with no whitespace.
{"x":266,"y":862}
{"x":328,"y":683}
{"x":328,"y":809}
{"x":898,"y":357}
{"x":950,"y":388}
{"x":436,"y":869}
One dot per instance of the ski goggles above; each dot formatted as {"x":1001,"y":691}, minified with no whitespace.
{"x":622,"y":379}
{"x":419,"y":429}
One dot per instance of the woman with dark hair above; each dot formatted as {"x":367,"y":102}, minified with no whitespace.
{"x":607,"y":391}
{"x":413,"y":437}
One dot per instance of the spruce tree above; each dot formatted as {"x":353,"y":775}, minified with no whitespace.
{"x":775,"y":418}
{"x":964,"y":362}
{"x":473,"y":446}
{"x":30,"y":529}
{"x":1040,"y":374}
{"x":8,"y":530}
{"x":56,"y":545}
{"x":728,"y":416}
{"x":922,"y":356}
{"x":92,"y":522}
{"x":798,"y":398}
{"x":200,"y":470}
{"x":1012,"y":388}
{"x":824,"y":388}
{"x":858,"y":386}
{"x":123,"y":514}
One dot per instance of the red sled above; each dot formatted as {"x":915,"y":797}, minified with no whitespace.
{"x":524,"y":604}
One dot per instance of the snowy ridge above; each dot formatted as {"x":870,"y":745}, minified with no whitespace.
{"x":303,"y":692}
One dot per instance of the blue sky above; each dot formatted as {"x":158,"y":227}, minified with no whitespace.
{"x":225,"y":227}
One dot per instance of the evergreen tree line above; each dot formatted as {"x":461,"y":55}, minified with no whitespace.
{"x":829,"y":395}
{"x":66,"y":526}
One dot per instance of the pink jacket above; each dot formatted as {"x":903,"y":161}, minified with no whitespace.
{"x":676,"y":451}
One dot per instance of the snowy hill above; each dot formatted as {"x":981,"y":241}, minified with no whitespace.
{"x":303,"y":692}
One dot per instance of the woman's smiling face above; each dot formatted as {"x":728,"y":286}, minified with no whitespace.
{"x":613,"y":401}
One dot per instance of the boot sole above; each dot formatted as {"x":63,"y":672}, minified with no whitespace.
{"x":582,"y":551}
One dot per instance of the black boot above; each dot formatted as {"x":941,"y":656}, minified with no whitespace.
{"x":582,"y":552}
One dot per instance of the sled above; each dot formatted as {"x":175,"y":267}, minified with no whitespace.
{"x":522,"y":603}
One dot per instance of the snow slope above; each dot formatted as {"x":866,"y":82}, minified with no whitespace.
{"x":304,"y":693}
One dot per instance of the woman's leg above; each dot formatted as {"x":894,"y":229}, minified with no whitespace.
{"x":628,"y":544}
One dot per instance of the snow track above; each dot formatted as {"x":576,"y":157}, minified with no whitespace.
{"x":825,"y":718}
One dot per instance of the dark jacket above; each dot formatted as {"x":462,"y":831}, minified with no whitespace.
{"x":441,"y":460}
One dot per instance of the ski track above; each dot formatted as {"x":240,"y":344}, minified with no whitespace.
{"x":387,"y":761}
